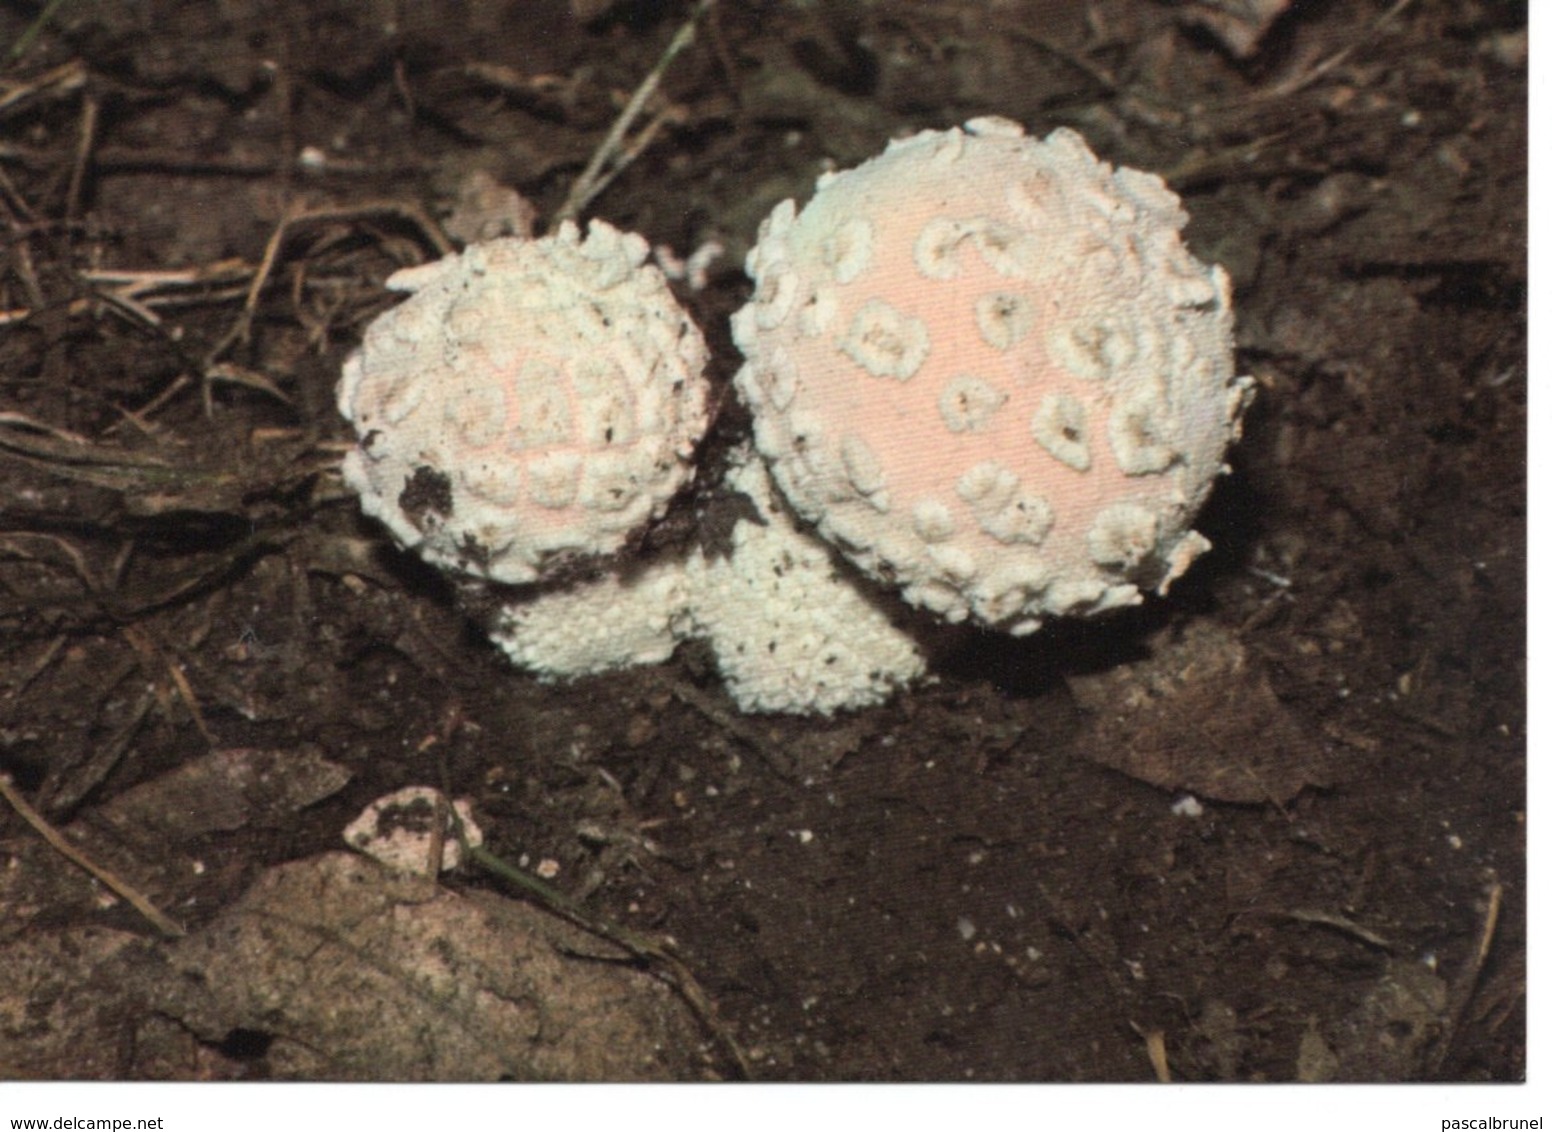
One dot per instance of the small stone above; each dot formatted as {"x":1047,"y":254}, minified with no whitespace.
{"x":399,"y":830}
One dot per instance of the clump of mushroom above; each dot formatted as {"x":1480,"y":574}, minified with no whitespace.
{"x":987,"y":369}
{"x":983,"y":368}
{"x":533,"y":402}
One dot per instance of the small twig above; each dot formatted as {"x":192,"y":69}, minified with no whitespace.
{"x":140,"y":417}
{"x":1077,"y":62}
{"x":139,"y":284}
{"x":1158,"y":1052}
{"x":28,"y":424}
{"x":1340,"y":923}
{"x":137,"y":310}
{"x":247,"y":378}
{"x":123,"y":159}
{"x":401,"y":87}
{"x":243,"y":327}
{"x":590,"y":183}
{"x":16,"y":541}
{"x":37,"y":667}
{"x":638,"y":145}
{"x":150,"y":654}
{"x":56,"y":839}
{"x":1298,"y":82}
{"x":66,"y":78}
{"x":29,"y":275}
{"x":441,"y":811}
{"x":141,"y":293}
{"x":658,"y":959}
{"x":34,"y":29}
{"x":83,"y":159}
{"x":1201,"y":166}
{"x":739,"y":728}
{"x":294,"y":217}
{"x":1465,"y":984}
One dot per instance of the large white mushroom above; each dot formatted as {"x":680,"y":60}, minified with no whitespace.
{"x":987,"y":369}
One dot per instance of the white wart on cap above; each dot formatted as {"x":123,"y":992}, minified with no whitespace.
{"x":532,"y":402}
{"x":987,"y":369}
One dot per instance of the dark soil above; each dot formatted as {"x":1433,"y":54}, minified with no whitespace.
{"x":985,"y":878}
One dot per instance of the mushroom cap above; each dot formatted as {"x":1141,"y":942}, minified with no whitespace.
{"x":987,"y":369}
{"x":531,"y":402}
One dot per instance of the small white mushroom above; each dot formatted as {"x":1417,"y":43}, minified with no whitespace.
{"x":532,"y":401}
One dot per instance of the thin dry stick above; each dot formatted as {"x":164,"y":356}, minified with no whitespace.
{"x":238,"y":334}
{"x":137,"y":310}
{"x":293,"y":217}
{"x":63,"y":79}
{"x":747,"y":733}
{"x":29,"y":275}
{"x":25,"y":40}
{"x":150,"y":653}
{"x":1304,"y":78}
{"x":1465,"y":985}
{"x":83,"y":159}
{"x":678,"y":975}
{"x":1340,"y":923}
{"x":36,"y":668}
{"x":405,"y":210}
{"x":655,"y":955}
{"x":140,"y":283}
{"x":81,"y":860}
{"x":590,"y":183}
{"x":638,"y":145}
{"x":1072,"y":59}
{"x":440,"y":811}
{"x":1158,"y":1052}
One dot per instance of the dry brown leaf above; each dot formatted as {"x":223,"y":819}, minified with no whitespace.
{"x":353,"y":975}
{"x":224,"y":791}
{"x":1198,"y":715}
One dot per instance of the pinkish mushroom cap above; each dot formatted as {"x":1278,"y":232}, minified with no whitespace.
{"x":988,"y":370}
{"x":533,"y":401}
